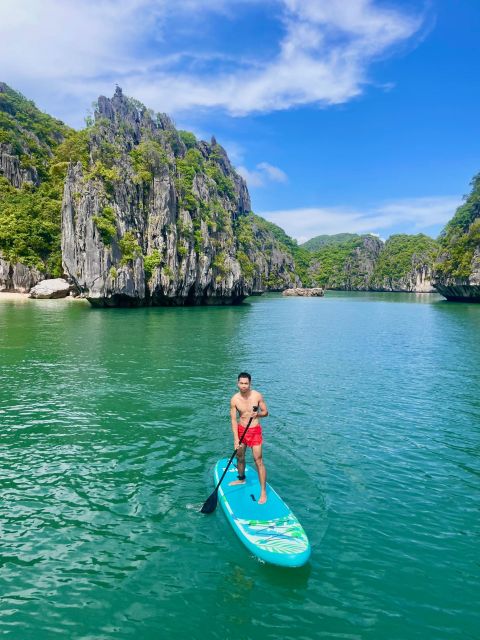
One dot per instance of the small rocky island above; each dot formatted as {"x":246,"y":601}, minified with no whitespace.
{"x":156,"y":217}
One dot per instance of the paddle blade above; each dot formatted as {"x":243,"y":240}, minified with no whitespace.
{"x":210,"y":504}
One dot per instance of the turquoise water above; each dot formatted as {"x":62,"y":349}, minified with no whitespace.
{"x":112,"y":420}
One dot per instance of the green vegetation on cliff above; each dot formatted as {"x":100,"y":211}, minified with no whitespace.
{"x":106,"y":223}
{"x":461,"y":236}
{"x":255,"y":233}
{"x":30,"y":214}
{"x":365,"y":262}
{"x":402,"y":254}
{"x":336,"y":265}
{"x":30,"y":133}
{"x":187,"y":168}
{"x":129,"y":248}
{"x":147,"y":158}
{"x":321,"y":241}
{"x":152,"y":262}
{"x":30,"y":225}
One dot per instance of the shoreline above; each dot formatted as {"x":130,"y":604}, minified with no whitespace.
{"x":11,"y":295}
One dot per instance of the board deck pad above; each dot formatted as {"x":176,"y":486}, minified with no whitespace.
{"x":270,"y":530}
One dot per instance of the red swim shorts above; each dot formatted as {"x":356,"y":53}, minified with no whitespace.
{"x":253,"y":436}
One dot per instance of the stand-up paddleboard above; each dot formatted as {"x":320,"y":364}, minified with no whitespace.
{"x":270,"y":530}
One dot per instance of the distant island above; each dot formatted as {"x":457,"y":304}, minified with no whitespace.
{"x":353,"y":262}
{"x":133,"y":211}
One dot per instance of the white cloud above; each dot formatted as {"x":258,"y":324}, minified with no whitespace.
{"x":81,"y":48}
{"x":263,"y":173}
{"x":274,"y":173}
{"x":414,"y":215}
{"x":253,"y":178}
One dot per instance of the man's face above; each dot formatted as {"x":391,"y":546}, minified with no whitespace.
{"x":243,"y":384}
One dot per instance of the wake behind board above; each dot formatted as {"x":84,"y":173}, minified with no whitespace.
{"x":270,"y":531}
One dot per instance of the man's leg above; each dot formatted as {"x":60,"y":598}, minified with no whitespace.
{"x":262,"y":472}
{"x":240,"y":464}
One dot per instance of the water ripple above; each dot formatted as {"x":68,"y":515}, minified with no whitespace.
{"x":111,"y":423}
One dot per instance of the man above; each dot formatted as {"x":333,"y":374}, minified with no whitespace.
{"x":242,"y":404}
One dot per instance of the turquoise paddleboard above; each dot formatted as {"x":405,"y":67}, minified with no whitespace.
{"x":270,"y":530}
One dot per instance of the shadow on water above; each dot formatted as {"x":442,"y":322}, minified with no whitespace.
{"x":287,"y":578}
{"x":240,"y":581}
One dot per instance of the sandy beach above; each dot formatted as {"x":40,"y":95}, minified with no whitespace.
{"x":9,"y":295}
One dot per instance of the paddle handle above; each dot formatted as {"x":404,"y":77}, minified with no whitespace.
{"x":235,"y":451}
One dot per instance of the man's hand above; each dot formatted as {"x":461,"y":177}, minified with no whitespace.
{"x":256,"y":412}
{"x":236,"y":443}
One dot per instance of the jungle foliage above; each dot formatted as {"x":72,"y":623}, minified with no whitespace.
{"x":402,"y":254}
{"x":461,"y":236}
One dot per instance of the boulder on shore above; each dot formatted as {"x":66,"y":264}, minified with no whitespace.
{"x":309,"y":293}
{"x":54,"y":288}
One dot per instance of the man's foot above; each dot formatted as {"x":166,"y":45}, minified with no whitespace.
{"x":230,"y":484}
{"x":263,"y":498}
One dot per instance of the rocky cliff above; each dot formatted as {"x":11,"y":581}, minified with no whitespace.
{"x":15,"y":276}
{"x":457,"y":269}
{"x":12,"y":170}
{"x":152,"y":217}
{"x":346,"y":266}
{"x":30,"y":193}
{"x":405,"y":264}
{"x":266,"y":255}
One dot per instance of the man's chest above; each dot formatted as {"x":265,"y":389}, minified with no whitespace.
{"x":245,"y":405}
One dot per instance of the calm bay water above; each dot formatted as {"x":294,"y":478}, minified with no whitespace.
{"x":111,"y":421}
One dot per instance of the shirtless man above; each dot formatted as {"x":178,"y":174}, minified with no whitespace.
{"x":242,"y":403}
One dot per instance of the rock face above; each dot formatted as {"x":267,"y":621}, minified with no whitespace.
{"x":459,"y":291}
{"x":405,"y":265}
{"x":315,"y":292}
{"x":419,"y":280}
{"x":17,"y":277}
{"x":10,"y":168}
{"x":53,"y":288}
{"x":457,"y":288}
{"x":153,"y":218}
{"x":352,"y":272}
{"x":266,"y":264}
{"x":360,"y":266}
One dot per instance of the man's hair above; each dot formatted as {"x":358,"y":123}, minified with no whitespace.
{"x":244,"y":374}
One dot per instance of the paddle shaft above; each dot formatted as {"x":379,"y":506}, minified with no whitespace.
{"x":235,"y":451}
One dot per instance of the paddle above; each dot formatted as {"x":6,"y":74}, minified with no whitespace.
{"x":210,"y":503}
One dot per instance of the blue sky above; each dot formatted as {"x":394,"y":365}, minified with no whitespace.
{"x":343,"y":115}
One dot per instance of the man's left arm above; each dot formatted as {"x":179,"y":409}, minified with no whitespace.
{"x":262,"y":411}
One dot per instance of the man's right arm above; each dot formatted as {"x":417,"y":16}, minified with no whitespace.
{"x":233,"y":418}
